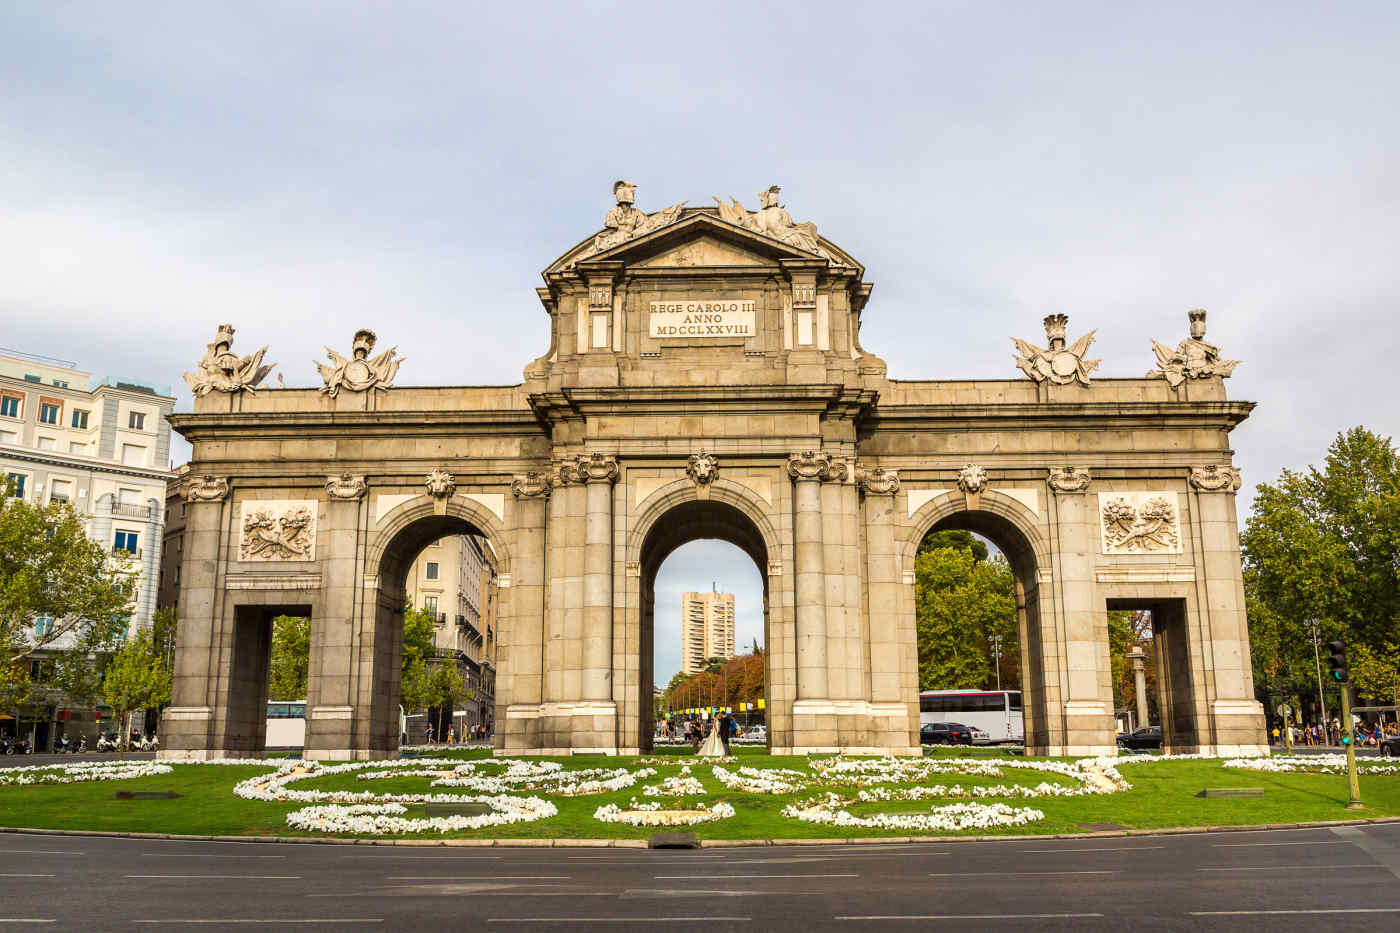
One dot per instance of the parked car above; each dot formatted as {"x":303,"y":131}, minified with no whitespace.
{"x":1146,"y":737}
{"x":980,"y":736}
{"x":945,"y":733}
{"x":755,"y":734}
{"x":1390,"y":746}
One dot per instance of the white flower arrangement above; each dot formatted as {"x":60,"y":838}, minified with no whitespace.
{"x":831,"y":809}
{"x":386,"y":819}
{"x":761,"y":780}
{"x":81,"y":772}
{"x":1315,"y":764}
{"x":652,"y":814}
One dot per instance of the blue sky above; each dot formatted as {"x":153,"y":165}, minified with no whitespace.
{"x":304,"y":169}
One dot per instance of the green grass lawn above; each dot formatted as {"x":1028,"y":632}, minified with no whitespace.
{"x":1163,"y":795}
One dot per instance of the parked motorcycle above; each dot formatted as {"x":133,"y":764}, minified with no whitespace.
{"x":64,"y":746}
{"x":150,"y":743}
{"x":16,"y":746}
{"x":82,"y":744}
{"x":108,"y":743}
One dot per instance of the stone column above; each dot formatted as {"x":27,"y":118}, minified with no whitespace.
{"x":894,"y":660}
{"x":807,"y":470}
{"x":521,"y":631}
{"x":1139,"y":683}
{"x":599,"y":472}
{"x":329,"y":707}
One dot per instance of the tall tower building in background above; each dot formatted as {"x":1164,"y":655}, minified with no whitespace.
{"x":707,"y":629}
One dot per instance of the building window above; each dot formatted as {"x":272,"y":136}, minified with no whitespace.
{"x":30,"y":377}
{"x":126,"y":541}
{"x":430,"y":605}
{"x":60,"y":383}
{"x":61,"y":490}
{"x":80,"y":418}
{"x":136,"y":421}
{"x":74,"y":447}
{"x":17,"y":484}
{"x":9,"y":437}
{"x":133,"y":455}
{"x":43,"y":625}
{"x":10,"y":406}
{"x":432,"y":571}
{"x":45,"y":443}
{"x":128,"y":496}
{"x":600,"y":330}
{"x":48,"y":413}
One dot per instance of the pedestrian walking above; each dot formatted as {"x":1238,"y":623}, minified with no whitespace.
{"x":430,"y":733}
{"x":451,"y":735}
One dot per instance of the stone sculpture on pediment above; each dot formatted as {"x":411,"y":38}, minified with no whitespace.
{"x":277,"y":531}
{"x":346,"y":486}
{"x":626,"y":222}
{"x":702,"y":468}
{"x":1059,"y":364}
{"x":1069,"y":479}
{"x":532,"y":486}
{"x":1193,"y":358}
{"x":773,"y":221}
{"x":1215,"y":478}
{"x":440,"y":483}
{"x":222,"y":370}
{"x":359,"y":373}
{"x":206,"y":488}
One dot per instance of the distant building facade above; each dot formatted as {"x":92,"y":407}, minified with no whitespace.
{"x":454,"y":579}
{"x":707,"y":629}
{"x":101,"y":446}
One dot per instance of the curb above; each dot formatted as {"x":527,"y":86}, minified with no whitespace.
{"x":704,"y":843}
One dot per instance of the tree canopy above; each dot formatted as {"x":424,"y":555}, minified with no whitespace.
{"x":291,"y":654}
{"x":960,"y":602}
{"x":135,"y":678}
{"x":1324,"y":544}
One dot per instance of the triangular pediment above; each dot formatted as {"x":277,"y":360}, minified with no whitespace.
{"x":699,"y":238}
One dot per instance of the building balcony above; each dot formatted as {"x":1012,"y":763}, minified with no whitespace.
{"x":130,"y":511}
{"x":472,"y":631}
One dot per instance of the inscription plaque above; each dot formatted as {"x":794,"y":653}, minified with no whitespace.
{"x":713,"y":319}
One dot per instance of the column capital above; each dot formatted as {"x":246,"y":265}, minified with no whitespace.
{"x":594,"y":468}
{"x":206,"y":488}
{"x":346,"y":486}
{"x":532,"y":485}
{"x":878,"y":481}
{"x":815,"y":466}
{"x":1069,"y":479}
{"x":1215,"y":478}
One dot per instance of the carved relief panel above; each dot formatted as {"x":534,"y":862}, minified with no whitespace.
{"x":277,"y":530}
{"x":1140,"y":522}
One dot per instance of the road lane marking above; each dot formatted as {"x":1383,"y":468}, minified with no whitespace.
{"x":1101,"y":849}
{"x":480,"y":878}
{"x":1253,"y":845}
{"x":969,"y":917}
{"x":740,"y":877}
{"x":26,"y":920}
{"x":41,"y":852}
{"x":23,"y":875}
{"x":201,"y":855}
{"x":1294,"y":867}
{"x":220,"y":877}
{"x":1003,"y":874}
{"x":1313,"y":910}
{"x":708,"y":919}
{"x":278,"y":922}
{"x":431,"y":858}
{"x":1386,"y":853}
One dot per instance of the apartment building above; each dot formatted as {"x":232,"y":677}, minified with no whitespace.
{"x":707,"y":629}
{"x":454,"y":578}
{"x":103,"y":446}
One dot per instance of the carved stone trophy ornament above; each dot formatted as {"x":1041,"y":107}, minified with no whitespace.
{"x":1060,"y":365}
{"x":359,"y":373}
{"x":1069,"y":479}
{"x":206,"y":489}
{"x":221,"y":370}
{"x":346,"y":486}
{"x":272,"y":534}
{"x":1213,"y":478}
{"x":1145,"y":527}
{"x":702,"y":468}
{"x":625,"y":222}
{"x":440,"y":483}
{"x":1193,"y":358}
{"x":772,"y":220}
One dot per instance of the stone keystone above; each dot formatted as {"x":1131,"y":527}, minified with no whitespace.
{"x":440,"y":483}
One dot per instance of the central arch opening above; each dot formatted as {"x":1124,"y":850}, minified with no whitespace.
{"x":728,"y":681}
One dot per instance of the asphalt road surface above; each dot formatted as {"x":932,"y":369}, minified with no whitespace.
{"x":1344,"y":878}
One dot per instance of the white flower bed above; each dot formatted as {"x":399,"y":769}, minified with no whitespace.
{"x":651,"y":814}
{"x":683,"y":785}
{"x":385,"y":819}
{"x":761,"y":780}
{"x":81,"y":772}
{"x":831,"y":809}
{"x":1316,"y":764}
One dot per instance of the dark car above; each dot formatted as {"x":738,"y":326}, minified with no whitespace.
{"x":945,"y":733}
{"x":1146,"y":737}
{"x":1390,"y":746}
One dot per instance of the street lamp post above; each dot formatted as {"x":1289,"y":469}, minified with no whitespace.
{"x":1315,"y":628}
{"x":996,"y":656}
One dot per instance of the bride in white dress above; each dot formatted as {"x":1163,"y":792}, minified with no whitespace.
{"x":712,"y":746}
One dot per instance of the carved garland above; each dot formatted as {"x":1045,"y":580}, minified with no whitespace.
{"x":277,"y":531}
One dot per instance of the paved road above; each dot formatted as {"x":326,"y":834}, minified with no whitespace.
{"x":1338,"y":879}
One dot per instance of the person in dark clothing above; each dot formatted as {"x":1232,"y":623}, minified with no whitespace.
{"x":726,"y":730}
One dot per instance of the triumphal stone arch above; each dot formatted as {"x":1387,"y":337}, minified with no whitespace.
{"x":705,"y":378}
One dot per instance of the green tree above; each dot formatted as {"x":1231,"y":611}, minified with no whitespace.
{"x":418,"y":647}
{"x":959,"y":602}
{"x":1376,"y":672}
{"x":59,"y":590}
{"x":957,"y":539}
{"x":164,"y":627}
{"x":291,"y":656}
{"x":1125,"y":631}
{"x":1323,"y":544}
{"x":135,"y":679}
{"x":443,"y":688}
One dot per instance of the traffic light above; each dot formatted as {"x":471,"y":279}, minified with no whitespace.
{"x":1337,"y":662}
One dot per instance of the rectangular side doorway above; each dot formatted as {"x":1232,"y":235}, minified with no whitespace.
{"x":245,"y":721}
{"x":1170,"y":660}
